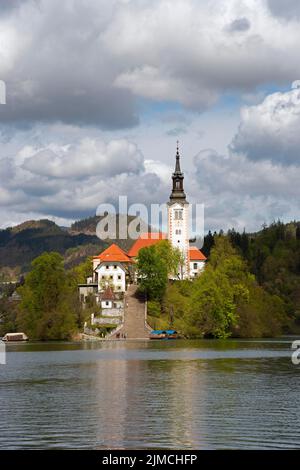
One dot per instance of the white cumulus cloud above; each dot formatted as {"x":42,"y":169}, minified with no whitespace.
{"x":271,"y":130}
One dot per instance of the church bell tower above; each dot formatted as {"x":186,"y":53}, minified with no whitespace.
{"x":178,"y":218}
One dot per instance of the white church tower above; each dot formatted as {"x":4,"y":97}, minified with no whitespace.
{"x":178,"y":218}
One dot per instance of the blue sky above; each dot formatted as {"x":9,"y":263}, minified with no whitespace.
{"x":99,"y":92}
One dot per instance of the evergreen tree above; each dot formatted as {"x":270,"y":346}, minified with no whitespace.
{"x":208,"y":243}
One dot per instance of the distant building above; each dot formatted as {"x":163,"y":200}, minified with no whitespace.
{"x":145,"y":240}
{"x":178,"y":230}
{"x":112,"y":308}
{"x":111,"y":268}
{"x":114,"y":269}
{"x":197,"y":261}
{"x":178,"y":218}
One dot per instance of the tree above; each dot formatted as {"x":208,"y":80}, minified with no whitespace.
{"x":152,"y":273}
{"x":8,"y":313}
{"x":171,"y":257}
{"x":214,"y":308}
{"x":45,"y":310}
{"x":208,"y":243}
{"x":82,"y":271}
{"x":155,"y":264}
{"x":219,"y":291}
{"x":225,"y":300}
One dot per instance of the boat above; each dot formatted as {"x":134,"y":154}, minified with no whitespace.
{"x":15,"y":337}
{"x":163,"y":334}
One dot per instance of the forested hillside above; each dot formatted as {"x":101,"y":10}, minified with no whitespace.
{"x":273,"y":256}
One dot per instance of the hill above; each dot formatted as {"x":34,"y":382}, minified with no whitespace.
{"x":88,"y":227}
{"x":273,"y":256}
{"x":19,"y":245}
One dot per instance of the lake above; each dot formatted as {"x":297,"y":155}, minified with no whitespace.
{"x":206,"y":394}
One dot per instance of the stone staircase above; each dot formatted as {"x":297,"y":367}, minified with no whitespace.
{"x":134,"y":326}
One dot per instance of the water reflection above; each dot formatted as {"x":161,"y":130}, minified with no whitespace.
{"x":147,"y":404}
{"x":150,"y":395}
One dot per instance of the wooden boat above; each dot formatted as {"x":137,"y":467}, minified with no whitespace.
{"x":163,"y":334}
{"x":15,"y":337}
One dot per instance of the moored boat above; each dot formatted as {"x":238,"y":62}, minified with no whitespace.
{"x":15,"y":337}
{"x":163,"y":334}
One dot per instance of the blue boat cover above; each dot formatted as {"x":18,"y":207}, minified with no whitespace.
{"x":160,"y":332}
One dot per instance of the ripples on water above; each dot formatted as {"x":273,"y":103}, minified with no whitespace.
{"x":172,"y":394}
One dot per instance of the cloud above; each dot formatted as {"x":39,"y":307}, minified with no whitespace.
{"x":66,"y":182}
{"x":239,"y":193}
{"x":70,"y":181}
{"x":288,"y":9}
{"x":72,"y":68}
{"x":185,"y":54}
{"x":86,"y":63}
{"x":175,"y":131}
{"x":7,"y":7}
{"x":239,"y":25}
{"x":270,"y":130}
{"x":56,"y":69}
{"x":158,"y":84}
{"x":90,"y":157}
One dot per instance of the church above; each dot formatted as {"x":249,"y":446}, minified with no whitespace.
{"x":114,"y":269}
{"x":178,"y":229}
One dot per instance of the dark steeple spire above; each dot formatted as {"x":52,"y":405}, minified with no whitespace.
{"x":177,"y":193}
{"x":177,"y":166}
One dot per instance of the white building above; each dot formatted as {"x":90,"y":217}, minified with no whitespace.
{"x":110,"y":268}
{"x":114,"y":268}
{"x":197,"y":261}
{"x":178,"y":230}
{"x":178,"y":226}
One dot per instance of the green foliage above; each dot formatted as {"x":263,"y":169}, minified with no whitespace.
{"x":171,"y":257}
{"x":46,"y":310}
{"x":250,"y":288}
{"x":224,"y":300}
{"x":152,"y":272}
{"x":273,"y":255}
{"x":154,"y":264}
{"x":8,"y":315}
{"x":82,"y":271}
{"x":153,"y":308}
{"x":218,"y":292}
{"x":262,"y":316}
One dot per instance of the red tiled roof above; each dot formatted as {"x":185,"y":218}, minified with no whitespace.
{"x":145,"y":240}
{"x":113,"y":253}
{"x":196,"y":254}
{"x":108,"y":294}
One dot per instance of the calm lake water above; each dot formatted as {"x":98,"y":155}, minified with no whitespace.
{"x":165,"y":394}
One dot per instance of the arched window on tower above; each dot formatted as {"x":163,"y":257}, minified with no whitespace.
{"x":178,"y":214}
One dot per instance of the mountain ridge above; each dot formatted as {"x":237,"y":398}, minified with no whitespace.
{"x":20,"y":244}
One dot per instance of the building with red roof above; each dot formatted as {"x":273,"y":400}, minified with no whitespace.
{"x":197,"y":261}
{"x":146,"y":240}
{"x":112,"y":253}
{"x":113,"y":268}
